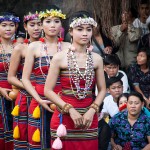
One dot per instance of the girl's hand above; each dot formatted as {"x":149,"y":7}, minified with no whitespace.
{"x":88,"y":118}
{"x":4,"y":92}
{"x":76,"y":117}
{"x":45,"y":104}
{"x":117,"y":147}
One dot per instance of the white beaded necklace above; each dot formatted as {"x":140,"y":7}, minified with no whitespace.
{"x":47,"y":56}
{"x":76,"y":75}
{"x":6,"y":57}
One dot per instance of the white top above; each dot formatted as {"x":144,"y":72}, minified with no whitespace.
{"x":144,"y":27}
{"x":148,"y":20}
{"x":124,"y":79}
{"x":110,"y":106}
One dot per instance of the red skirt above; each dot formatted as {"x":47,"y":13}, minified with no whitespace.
{"x":77,"y":139}
{"x":23,"y":100}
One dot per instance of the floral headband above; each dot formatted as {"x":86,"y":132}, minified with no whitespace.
{"x":9,"y":18}
{"x":79,"y":21}
{"x":52,"y":13}
{"x":31,"y":16}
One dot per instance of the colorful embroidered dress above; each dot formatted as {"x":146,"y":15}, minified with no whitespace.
{"x":76,"y":138}
{"x":6,"y":106}
{"x":41,"y":67}
{"x":23,"y":100}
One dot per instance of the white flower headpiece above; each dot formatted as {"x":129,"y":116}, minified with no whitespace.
{"x":81,"y":21}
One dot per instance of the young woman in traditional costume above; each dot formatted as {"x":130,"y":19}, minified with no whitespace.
{"x":75,"y":120}
{"x":7,"y":29}
{"x":32,"y":25}
{"x":38,"y":58}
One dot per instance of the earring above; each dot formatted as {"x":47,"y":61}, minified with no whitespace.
{"x":42,"y":33}
{"x":60,"y":39}
{"x":90,"y":46}
{"x":42,"y":36}
{"x":26,"y":39}
{"x":71,"y":40}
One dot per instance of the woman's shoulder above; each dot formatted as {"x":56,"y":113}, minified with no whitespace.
{"x":35,"y":45}
{"x":20,"y":47}
{"x":65,"y":45}
{"x":96,"y":56}
{"x":60,"y":55}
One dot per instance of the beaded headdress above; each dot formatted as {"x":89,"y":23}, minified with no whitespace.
{"x":31,"y":16}
{"x":52,"y":13}
{"x":82,"y":21}
{"x":9,"y":18}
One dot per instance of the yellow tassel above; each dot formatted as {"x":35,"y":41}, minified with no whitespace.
{"x":16,"y":133}
{"x":15,"y":111}
{"x":36,"y":136}
{"x":36,"y":112}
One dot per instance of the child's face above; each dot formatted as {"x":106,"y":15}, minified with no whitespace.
{"x":111,"y":70}
{"x":116,"y":89}
{"x":122,"y":101}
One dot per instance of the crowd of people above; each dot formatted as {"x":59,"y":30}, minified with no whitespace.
{"x":92,"y":92}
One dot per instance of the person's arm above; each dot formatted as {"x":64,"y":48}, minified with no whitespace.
{"x":114,"y":145}
{"x":116,"y":34}
{"x":27,"y":70}
{"x":13,"y":68}
{"x":101,"y":86}
{"x":50,"y":84}
{"x":134,"y":34}
{"x":113,"y":132}
{"x":147,"y":147}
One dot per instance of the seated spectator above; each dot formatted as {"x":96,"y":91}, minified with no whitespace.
{"x":126,"y":37}
{"x":143,"y":9}
{"x":131,"y":128}
{"x":115,"y":88}
{"x":122,"y":101}
{"x":109,"y":108}
{"x":139,"y":75}
{"x":111,"y":69}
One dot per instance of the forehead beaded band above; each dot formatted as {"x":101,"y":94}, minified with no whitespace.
{"x":31,"y":16}
{"x":83,"y":21}
{"x":9,"y":18}
{"x":52,"y":13}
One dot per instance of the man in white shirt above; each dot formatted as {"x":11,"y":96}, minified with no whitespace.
{"x":111,"y":69}
{"x":115,"y":88}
